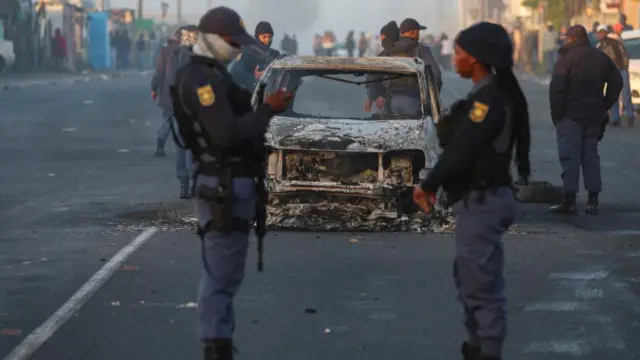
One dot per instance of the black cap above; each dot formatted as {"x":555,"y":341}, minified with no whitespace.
{"x":223,"y":21}
{"x":410,"y":24}
{"x":489,"y":43}
{"x":576,"y":31}
{"x":263,"y":27}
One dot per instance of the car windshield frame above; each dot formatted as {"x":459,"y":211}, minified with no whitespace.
{"x":288,"y":77}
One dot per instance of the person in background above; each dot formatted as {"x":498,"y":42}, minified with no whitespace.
{"x":548,"y":47}
{"x":141,"y":50}
{"x":317,"y":45}
{"x":593,"y":35}
{"x":622,"y":20}
{"x":59,"y":51}
{"x":160,"y":84}
{"x":617,"y":52}
{"x":152,"y":46}
{"x":579,"y":109}
{"x":363,"y":44}
{"x":446,"y":51}
{"x":350,"y":43}
{"x":294,"y":45}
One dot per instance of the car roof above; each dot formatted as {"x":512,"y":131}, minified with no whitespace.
{"x":394,"y":64}
{"x":630,"y":34}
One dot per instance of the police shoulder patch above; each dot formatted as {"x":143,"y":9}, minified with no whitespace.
{"x":478,"y":112}
{"x":206,"y":95}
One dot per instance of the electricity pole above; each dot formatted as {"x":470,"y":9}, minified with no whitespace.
{"x":140,"y":14}
{"x":179,"y":10}
{"x":209,"y":4}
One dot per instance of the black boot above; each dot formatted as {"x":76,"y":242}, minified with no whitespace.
{"x":185,"y":189}
{"x":567,"y":206}
{"x":160,"y":149}
{"x":471,"y":352}
{"x":592,"y":204}
{"x":218,"y":349}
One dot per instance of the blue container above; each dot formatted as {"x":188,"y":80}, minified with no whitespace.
{"x":99,"y":44}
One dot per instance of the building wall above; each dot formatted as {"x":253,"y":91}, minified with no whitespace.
{"x":632,"y":9}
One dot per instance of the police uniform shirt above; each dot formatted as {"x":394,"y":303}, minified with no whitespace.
{"x":481,"y":124}
{"x":209,"y":94}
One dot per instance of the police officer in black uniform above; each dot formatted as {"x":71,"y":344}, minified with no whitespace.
{"x":478,"y":138}
{"x":226,"y":138}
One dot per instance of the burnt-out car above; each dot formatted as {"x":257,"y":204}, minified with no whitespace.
{"x":331,"y":163}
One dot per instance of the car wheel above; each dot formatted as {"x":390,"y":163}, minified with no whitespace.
{"x":2,"y":64}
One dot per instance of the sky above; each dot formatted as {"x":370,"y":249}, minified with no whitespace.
{"x":306,"y":17}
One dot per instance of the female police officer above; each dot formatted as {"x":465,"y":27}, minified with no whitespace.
{"x":478,"y":139}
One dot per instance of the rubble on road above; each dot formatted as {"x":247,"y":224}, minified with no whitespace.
{"x":371,"y":215}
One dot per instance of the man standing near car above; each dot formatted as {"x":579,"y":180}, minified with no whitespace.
{"x":578,"y":110}
{"x":617,"y":52}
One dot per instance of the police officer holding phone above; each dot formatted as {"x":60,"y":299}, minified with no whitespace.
{"x":226,"y":137}
{"x":478,"y":138}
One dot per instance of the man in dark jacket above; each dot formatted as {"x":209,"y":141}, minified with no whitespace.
{"x":160,"y":83}
{"x":617,"y":52}
{"x":389,"y":34}
{"x":578,"y":110}
{"x":404,"y":93}
{"x":249,"y":66}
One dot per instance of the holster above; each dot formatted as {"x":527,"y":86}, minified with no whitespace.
{"x":220,"y":202}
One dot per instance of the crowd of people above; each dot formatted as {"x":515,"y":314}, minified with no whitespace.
{"x":127,"y":50}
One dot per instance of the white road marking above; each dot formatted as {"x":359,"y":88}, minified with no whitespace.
{"x":557,"y":306}
{"x":44,"y":332}
{"x":594,"y":275}
{"x":571,"y":347}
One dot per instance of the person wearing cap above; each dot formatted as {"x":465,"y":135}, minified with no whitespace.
{"x":174,"y":57}
{"x":617,"y":52}
{"x":404,"y":93}
{"x":409,"y":44}
{"x":474,"y":169}
{"x":579,"y":109}
{"x":226,"y":137}
{"x":389,"y":34}
{"x":160,"y":92}
{"x":249,"y":66}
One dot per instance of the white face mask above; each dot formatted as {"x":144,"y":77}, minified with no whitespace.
{"x":214,"y":46}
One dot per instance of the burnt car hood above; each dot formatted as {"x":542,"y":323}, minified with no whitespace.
{"x":345,"y":135}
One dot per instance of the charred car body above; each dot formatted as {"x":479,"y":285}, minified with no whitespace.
{"x":332,"y":164}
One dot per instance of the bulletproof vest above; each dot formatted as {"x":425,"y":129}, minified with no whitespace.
{"x":404,"y":83}
{"x":192,"y":134}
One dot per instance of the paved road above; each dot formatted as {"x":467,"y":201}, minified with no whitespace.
{"x":79,"y":184}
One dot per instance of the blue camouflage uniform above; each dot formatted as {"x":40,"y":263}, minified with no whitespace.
{"x":226,"y":136}
{"x":478,"y":138}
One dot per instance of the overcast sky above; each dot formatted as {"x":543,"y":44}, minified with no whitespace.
{"x":306,"y":17}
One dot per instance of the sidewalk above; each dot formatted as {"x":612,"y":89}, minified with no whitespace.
{"x":12,"y":81}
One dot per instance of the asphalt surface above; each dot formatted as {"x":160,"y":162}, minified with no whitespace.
{"x":78,"y":183}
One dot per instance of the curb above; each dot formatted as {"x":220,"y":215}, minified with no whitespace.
{"x":75,"y":79}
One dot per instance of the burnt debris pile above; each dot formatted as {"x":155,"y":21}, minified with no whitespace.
{"x":333,"y":213}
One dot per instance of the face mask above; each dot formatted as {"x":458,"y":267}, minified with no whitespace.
{"x":213,"y":46}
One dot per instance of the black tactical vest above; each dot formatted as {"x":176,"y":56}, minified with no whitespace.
{"x":405,"y":83}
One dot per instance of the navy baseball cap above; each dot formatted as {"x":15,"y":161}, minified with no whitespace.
{"x":223,"y":21}
{"x":410,"y":24}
